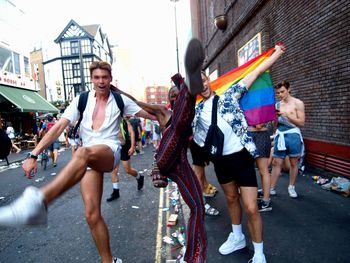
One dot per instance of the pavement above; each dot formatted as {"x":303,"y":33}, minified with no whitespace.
{"x":312,"y":228}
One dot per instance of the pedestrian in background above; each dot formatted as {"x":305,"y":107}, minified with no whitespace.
{"x":136,"y":125}
{"x":156,"y":134}
{"x":261,"y":138}
{"x":288,"y":139}
{"x":10,"y":131}
{"x":128,"y":148}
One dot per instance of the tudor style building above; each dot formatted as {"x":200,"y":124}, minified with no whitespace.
{"x":79,"y":46}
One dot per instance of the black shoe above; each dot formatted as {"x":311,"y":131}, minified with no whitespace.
{"x":114,"y":195}
{"x":140,"y":182}
{"x":194,"y":58}
{"x":264,"y":206}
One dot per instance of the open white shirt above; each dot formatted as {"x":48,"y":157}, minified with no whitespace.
{"x":108,"y":133}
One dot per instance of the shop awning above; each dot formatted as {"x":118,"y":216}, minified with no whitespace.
{"x":26,"y":100}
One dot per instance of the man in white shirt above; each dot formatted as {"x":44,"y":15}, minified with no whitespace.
{"x":100,"y":153}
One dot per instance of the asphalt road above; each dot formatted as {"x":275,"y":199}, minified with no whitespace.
{"x":313,"y":228}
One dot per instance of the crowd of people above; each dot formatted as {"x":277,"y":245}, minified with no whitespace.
{"x":102,"y":143}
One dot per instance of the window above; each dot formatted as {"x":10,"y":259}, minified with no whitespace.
{"x":74,"y":47}
{"x":26,"y":67}
{"x":6,"y":60}
{"x":17,"y":63}
{"x":77,"y":89}
{"x":76,"y":70}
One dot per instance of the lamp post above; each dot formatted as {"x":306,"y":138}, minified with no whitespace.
{"x":177,"y":42}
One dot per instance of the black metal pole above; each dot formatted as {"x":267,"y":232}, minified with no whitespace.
{"x":177,"y":42}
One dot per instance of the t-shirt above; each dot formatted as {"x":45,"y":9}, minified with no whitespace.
{"x":49,"y":125}
{"x":10,"y":132}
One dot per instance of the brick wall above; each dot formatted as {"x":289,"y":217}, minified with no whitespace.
{"x":317,"y":62}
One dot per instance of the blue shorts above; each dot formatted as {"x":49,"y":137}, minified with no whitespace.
{"x":54,"y":146}
{"x":293,"y":146}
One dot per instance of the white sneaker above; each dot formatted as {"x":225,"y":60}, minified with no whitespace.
{"x":117,"y":260}
{"x":258,"y":259}
{"x":273,"y":191}
{"x":291,"y":191}
{"x":232,"y":244}
{"x":28,"y":209}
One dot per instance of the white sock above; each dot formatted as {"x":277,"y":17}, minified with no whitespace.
{"x":258,"y":249}
{"x":115,"y":185}
{"x":237,"y":230}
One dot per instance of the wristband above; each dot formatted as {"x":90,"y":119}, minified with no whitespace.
{"x":30,"y":155}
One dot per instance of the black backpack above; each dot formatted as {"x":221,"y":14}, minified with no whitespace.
{"x":157,"y":129}
{"x":82,"y":105}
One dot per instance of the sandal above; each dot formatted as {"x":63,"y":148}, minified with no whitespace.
{"x":213,"y":188}
{"x":208,"y":192}
{"x":210,"y":211}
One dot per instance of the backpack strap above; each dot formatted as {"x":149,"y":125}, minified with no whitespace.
{"x":214,"y":115}
{"x":81,"y":107}
{"x":120,"y":102}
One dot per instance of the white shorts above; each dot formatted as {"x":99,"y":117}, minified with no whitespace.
{"x":115,"y":149}
{"x":74,"y":142}
{"x":156,"y":137}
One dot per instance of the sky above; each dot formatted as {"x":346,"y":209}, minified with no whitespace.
{"x":146,"y":28}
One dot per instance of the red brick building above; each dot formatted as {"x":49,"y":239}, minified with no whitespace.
{"x":156,"y":94}
{"x":317,"y":62}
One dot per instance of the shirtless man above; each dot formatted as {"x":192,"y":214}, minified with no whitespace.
{"x":288,"y":140}
{"x":100,"y":153}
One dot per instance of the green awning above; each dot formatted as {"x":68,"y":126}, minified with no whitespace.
{"x":26,"y":100}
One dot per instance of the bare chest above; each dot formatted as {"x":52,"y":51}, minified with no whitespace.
{"x":99,"y":114}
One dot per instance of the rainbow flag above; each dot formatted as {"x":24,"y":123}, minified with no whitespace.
{"x":259,"y":103}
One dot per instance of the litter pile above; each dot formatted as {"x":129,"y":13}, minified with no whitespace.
{"x":176,"y":236}
{"x":339,"y":185}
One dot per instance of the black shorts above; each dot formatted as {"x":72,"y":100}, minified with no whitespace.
{"x":262,"y":142}
{"x":199,"y":157}
{"x":124,"y":156}
{"x":237,"y":167}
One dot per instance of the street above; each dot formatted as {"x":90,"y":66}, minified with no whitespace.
{"x":313,"y":228}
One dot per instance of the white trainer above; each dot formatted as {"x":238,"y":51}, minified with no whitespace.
{"x":273,"y":191}
{"x":28,"y":209}
{"x":291,"y":191}
{"x":117,"y":260}
{"x":258,"y":259}
{"x":232,"y":244}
